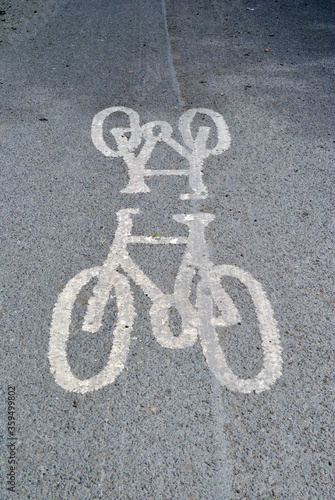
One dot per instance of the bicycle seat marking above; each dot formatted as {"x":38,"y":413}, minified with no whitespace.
{"x":213,"y":307}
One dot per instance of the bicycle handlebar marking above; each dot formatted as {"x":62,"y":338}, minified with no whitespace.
{"x":199,"y":321}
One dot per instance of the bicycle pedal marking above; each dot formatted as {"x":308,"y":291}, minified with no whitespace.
{"x":213,"y":306}
{"x":195,"y":150}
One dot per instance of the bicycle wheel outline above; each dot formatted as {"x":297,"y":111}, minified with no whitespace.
{"x":59,"y":333}
{"x":213,"y":352}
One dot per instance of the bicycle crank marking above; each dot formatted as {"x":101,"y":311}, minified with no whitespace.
{"x":213,"y":307}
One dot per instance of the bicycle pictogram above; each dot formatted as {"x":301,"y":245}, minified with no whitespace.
{"x":213,"y":307}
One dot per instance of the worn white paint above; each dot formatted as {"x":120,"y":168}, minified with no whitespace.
{"x":152,"y":134}
{"x":197,"y":322}
{"x":60,"y":330}
{"x":173,"y":75}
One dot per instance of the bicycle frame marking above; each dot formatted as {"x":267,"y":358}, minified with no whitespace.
{"x":196,"y":321}
{"x":199,"y":321}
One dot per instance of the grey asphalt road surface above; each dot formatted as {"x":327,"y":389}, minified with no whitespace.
{"x":160,"y":421}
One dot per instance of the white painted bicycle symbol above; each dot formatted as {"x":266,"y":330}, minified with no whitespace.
{"x":213,"y":306}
